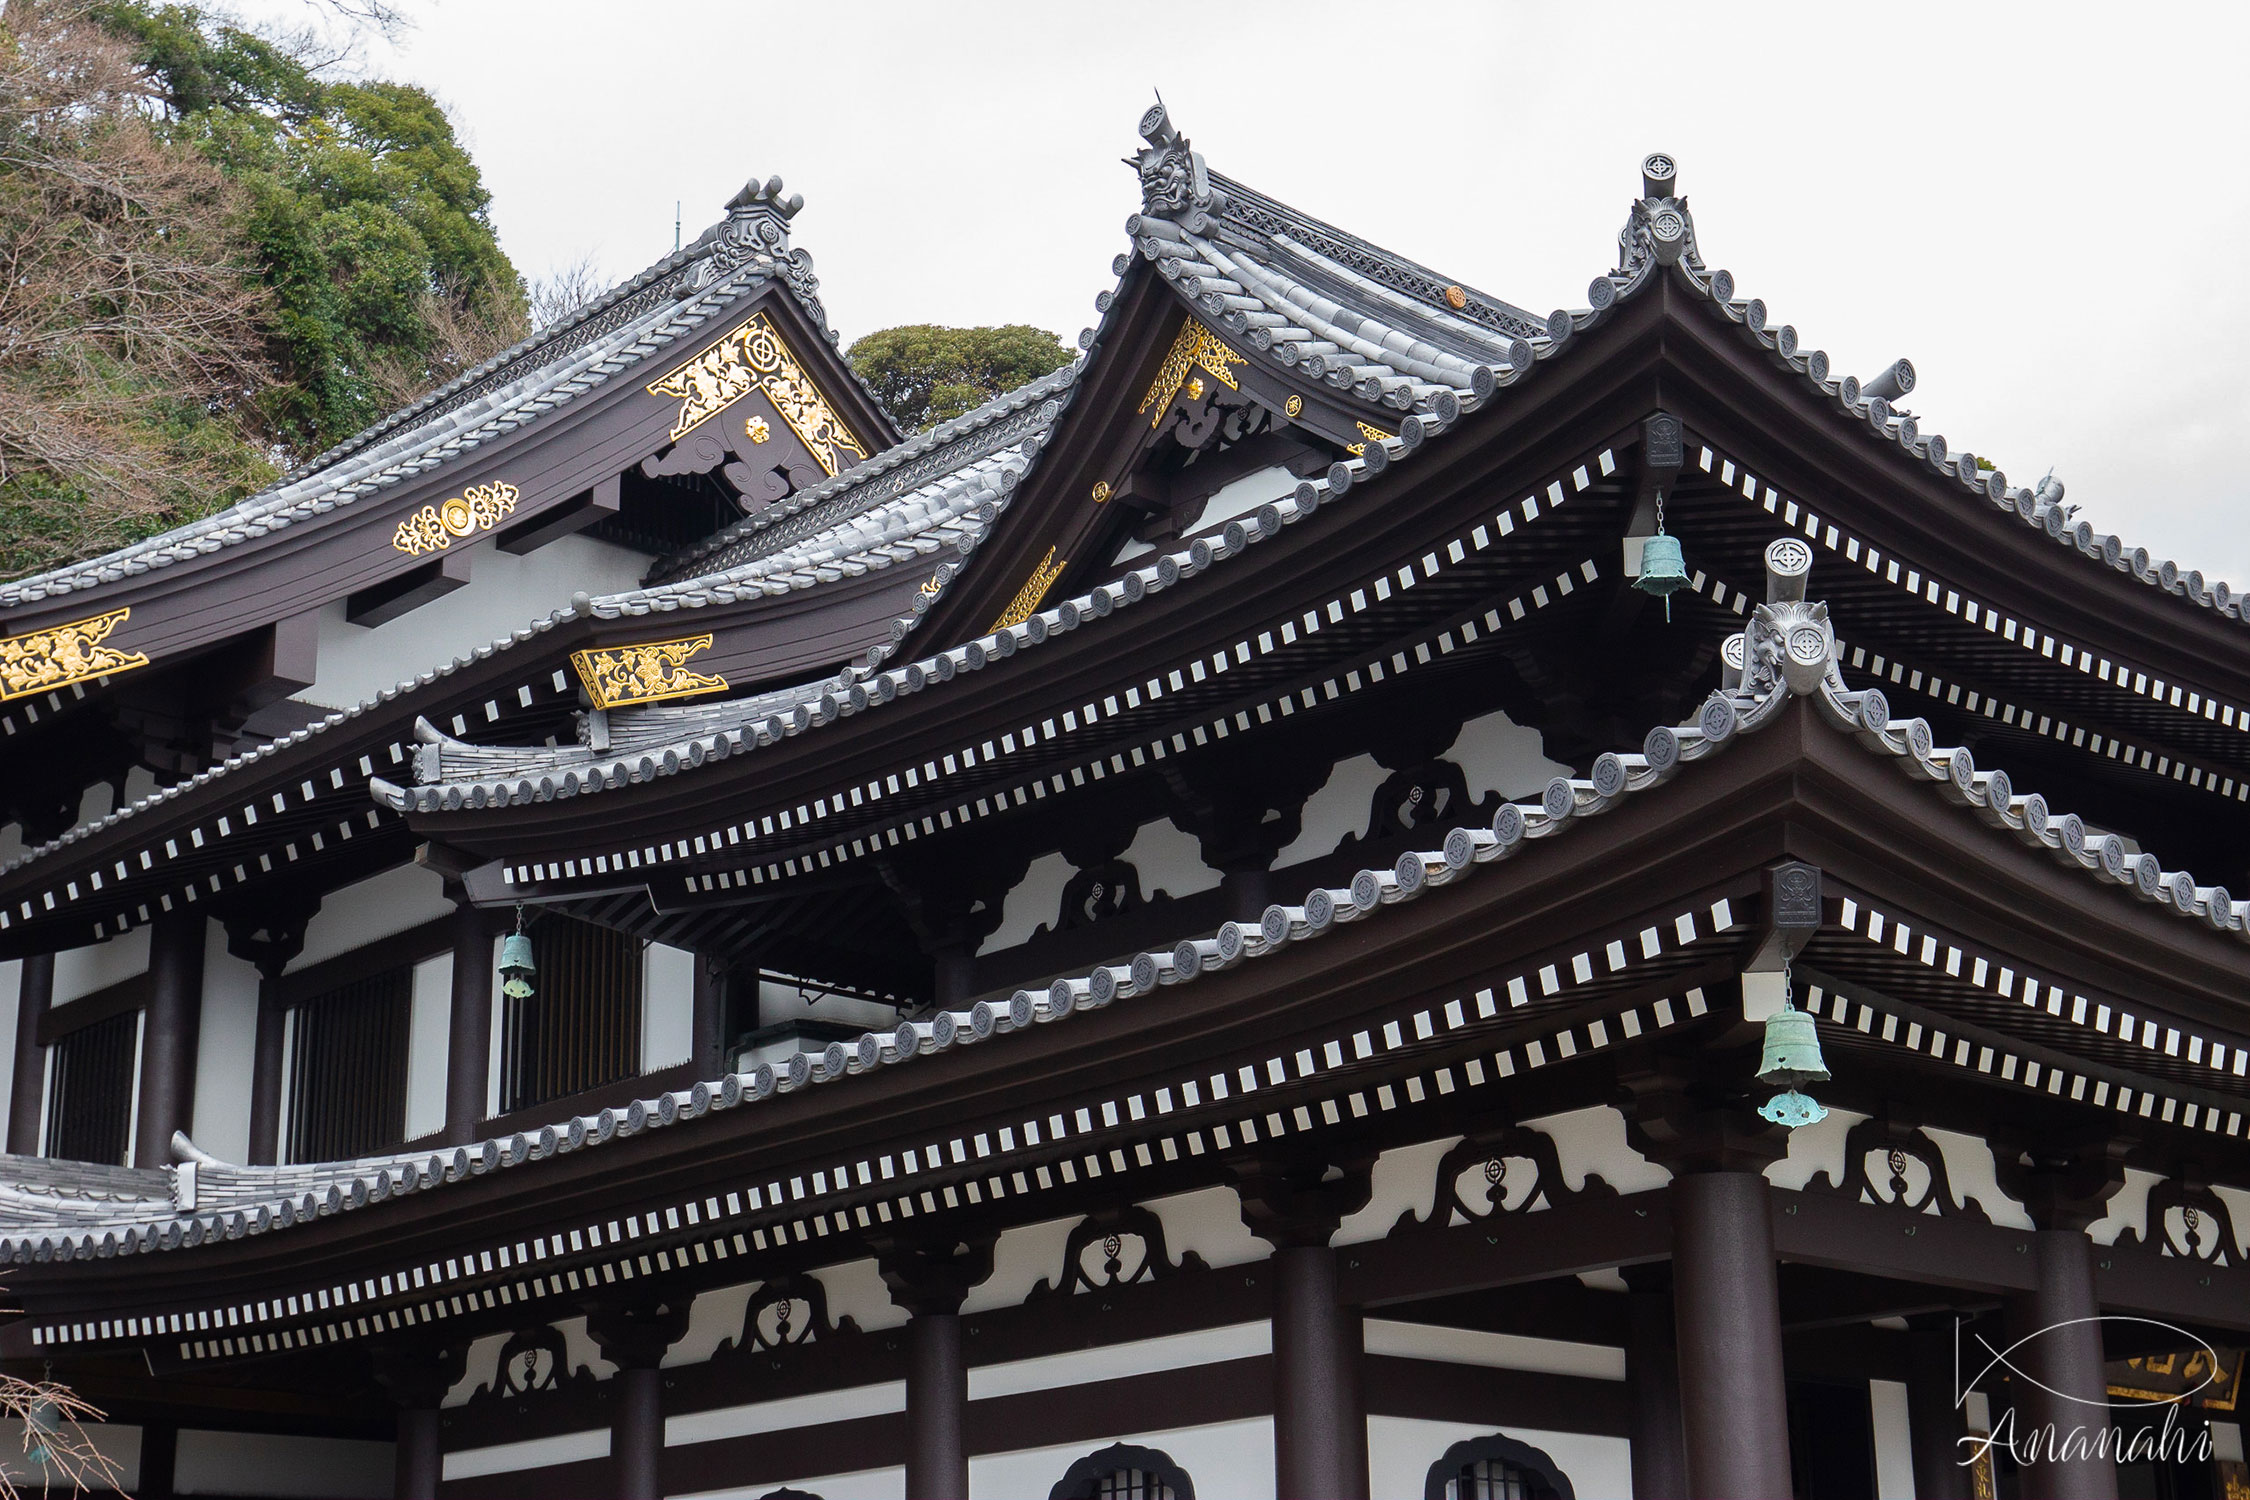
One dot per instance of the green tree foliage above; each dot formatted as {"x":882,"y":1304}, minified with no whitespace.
{"x":222,"y":260}
{"x":926,"y":374}
{"x":367,"y":217}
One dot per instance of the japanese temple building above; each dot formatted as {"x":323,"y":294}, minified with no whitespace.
{"x":1206,"y":928}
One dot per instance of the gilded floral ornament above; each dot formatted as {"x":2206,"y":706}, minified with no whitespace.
{"x":63,"y":654}
{"x":1033,"y":591}
{"x":1372,"y":434}
{"x":434,"y":528}
{"x":1196,"y":348}
{"x":615,"y":676}
{"x":754,"y":357}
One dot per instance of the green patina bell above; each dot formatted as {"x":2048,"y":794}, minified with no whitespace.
{"x":1792,"y":1057}
{"x":516,"y":966}
{"x":1663,"y":569}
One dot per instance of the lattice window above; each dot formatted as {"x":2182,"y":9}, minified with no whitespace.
{"x":347,"y":1071}
{"x":581,"y":1026}
{"x":1490,"y":1479}
{"x":90,"y":1105}
{"x":1121,"y":1472}
{"x":1131,"y":1484}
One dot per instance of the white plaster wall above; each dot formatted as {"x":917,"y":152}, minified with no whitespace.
{"x":1172,"y":1351}
{"x":667,"y":1006}
{"x":226,"y":1050}
{"x":1814,"y":1150}
{"x":11,"y":841}
{"x":376,"y":908}
{"x":1227,"y":1461}
{"x":482,"y":1366}
{"x":1593,"y":1140}
{"x":1496,"y":754}
{"x":1338,"y":809}
{"x":429,"y":1041}
{"x":534,"y":1453}
{"x":782,"y":1002}
{"x":1894,"y":1446}
{"x":856,"y":1290}
{"x":862,"y":1484}
{"x":503,"y":595}
{"x":79,"y":972}
{"x":2238,"y":1210}
{"x":1021,"y":1259}
{"x":11,"y":983}
{"x":580,"y":1351}
{"x":714,"y":1317}
{"x":260,"y":1463}
{"x":1400,"y":1451}
{"x":1242,"y":497}
{"x":789,"y":1412}
{"x":96,"y":802}
{"x":2127,"y":1210}
{"x":1170,"y":862}
{"x":1209,"y":1222}
{"x":1494,"y":1351}
{"x":1405,"y":1181}
{"x":119,"y":1442}
{"x":1032,"y":904}
{"x":1968,"y":1162}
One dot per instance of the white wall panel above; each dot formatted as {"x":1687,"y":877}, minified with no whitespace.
{"x":533,"y":1453}
{"x":1405,"y":1182}
{"x":1227,"y":1461}
{"x":789,"y":1412}
{"x":1813,"y":1150}
{"x":503,"y":595}
{"x":1337,"y":809}
{"x":1033,"y":904}
{"x":263,"y":1463}
{"x":667,"y":1006}
{"x":1497,"y":1351}
{"x":1593,"y":1140}
{"x":226,"y":1051}
{"x":1400,"y":1451}
{"x":376,"y":908}
{"x":1968,"y":1164}
{"x":1169,"y":862}
{"x":1496,"y":754}
{"x":1209,"y":1222}
{"x":1021,"y":1259}
{"x":119,"y":1442}
{"x":1175,"y":1351}
{"x":11,"y":983}
{"x":856,"y":1290}
{"x":429,"y":1042}
{"x":714,"y":1317}
{"x":1894,"y":1445}
{"x":81,"y":971}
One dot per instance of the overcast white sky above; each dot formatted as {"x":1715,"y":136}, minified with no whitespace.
{"x":2042,"y":206}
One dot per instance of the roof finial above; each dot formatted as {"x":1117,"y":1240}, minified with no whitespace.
{"x":1174,"y":184}
{"x":1658,"y":228}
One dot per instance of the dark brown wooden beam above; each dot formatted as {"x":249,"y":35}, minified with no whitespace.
{"x":574,"y":515}
{"x":381,"y":603}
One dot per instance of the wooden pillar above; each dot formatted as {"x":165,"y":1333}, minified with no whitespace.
{"x":266,"y":1066}
{"x":937,"y":1397}
{"x":1727,"y":1310}
{"x":1319,"y":1408}
{"x":420,"y":1460}
{"x":931,"y":1282}
{"x":1934,"y":1416}
{"x":709,"y":1025}
{"x":168,"y":1035}
{"x":1652,"y":1386}
{"x":636,"y":1435}
{"x":1319,"y":1405}
{"x":417,"y":1376}
{"x":2065,"y":1395}
{"x":468,"y":1057}
{"x":28,"y":1102}
{"x":634,"y":1335}
{"x":160,"y":1447}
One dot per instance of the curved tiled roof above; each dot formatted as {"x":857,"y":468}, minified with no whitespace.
{"x":634,"y":320}
{"x":112,"y":1211}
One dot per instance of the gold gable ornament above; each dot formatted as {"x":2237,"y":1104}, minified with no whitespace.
{"x":755,"y":357}
{"x":434,"y":528}
{"x":1195,"y":348}
{"x":60,"y":655}
{"x":617,"y":676}
{"x":1034,"y":589}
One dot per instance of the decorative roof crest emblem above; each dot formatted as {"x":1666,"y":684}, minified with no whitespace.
{"x":1659,"y":227}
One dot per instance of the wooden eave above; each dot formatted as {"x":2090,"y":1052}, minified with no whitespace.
{"x":1797,"y":788}
{"x":190,"y":607}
